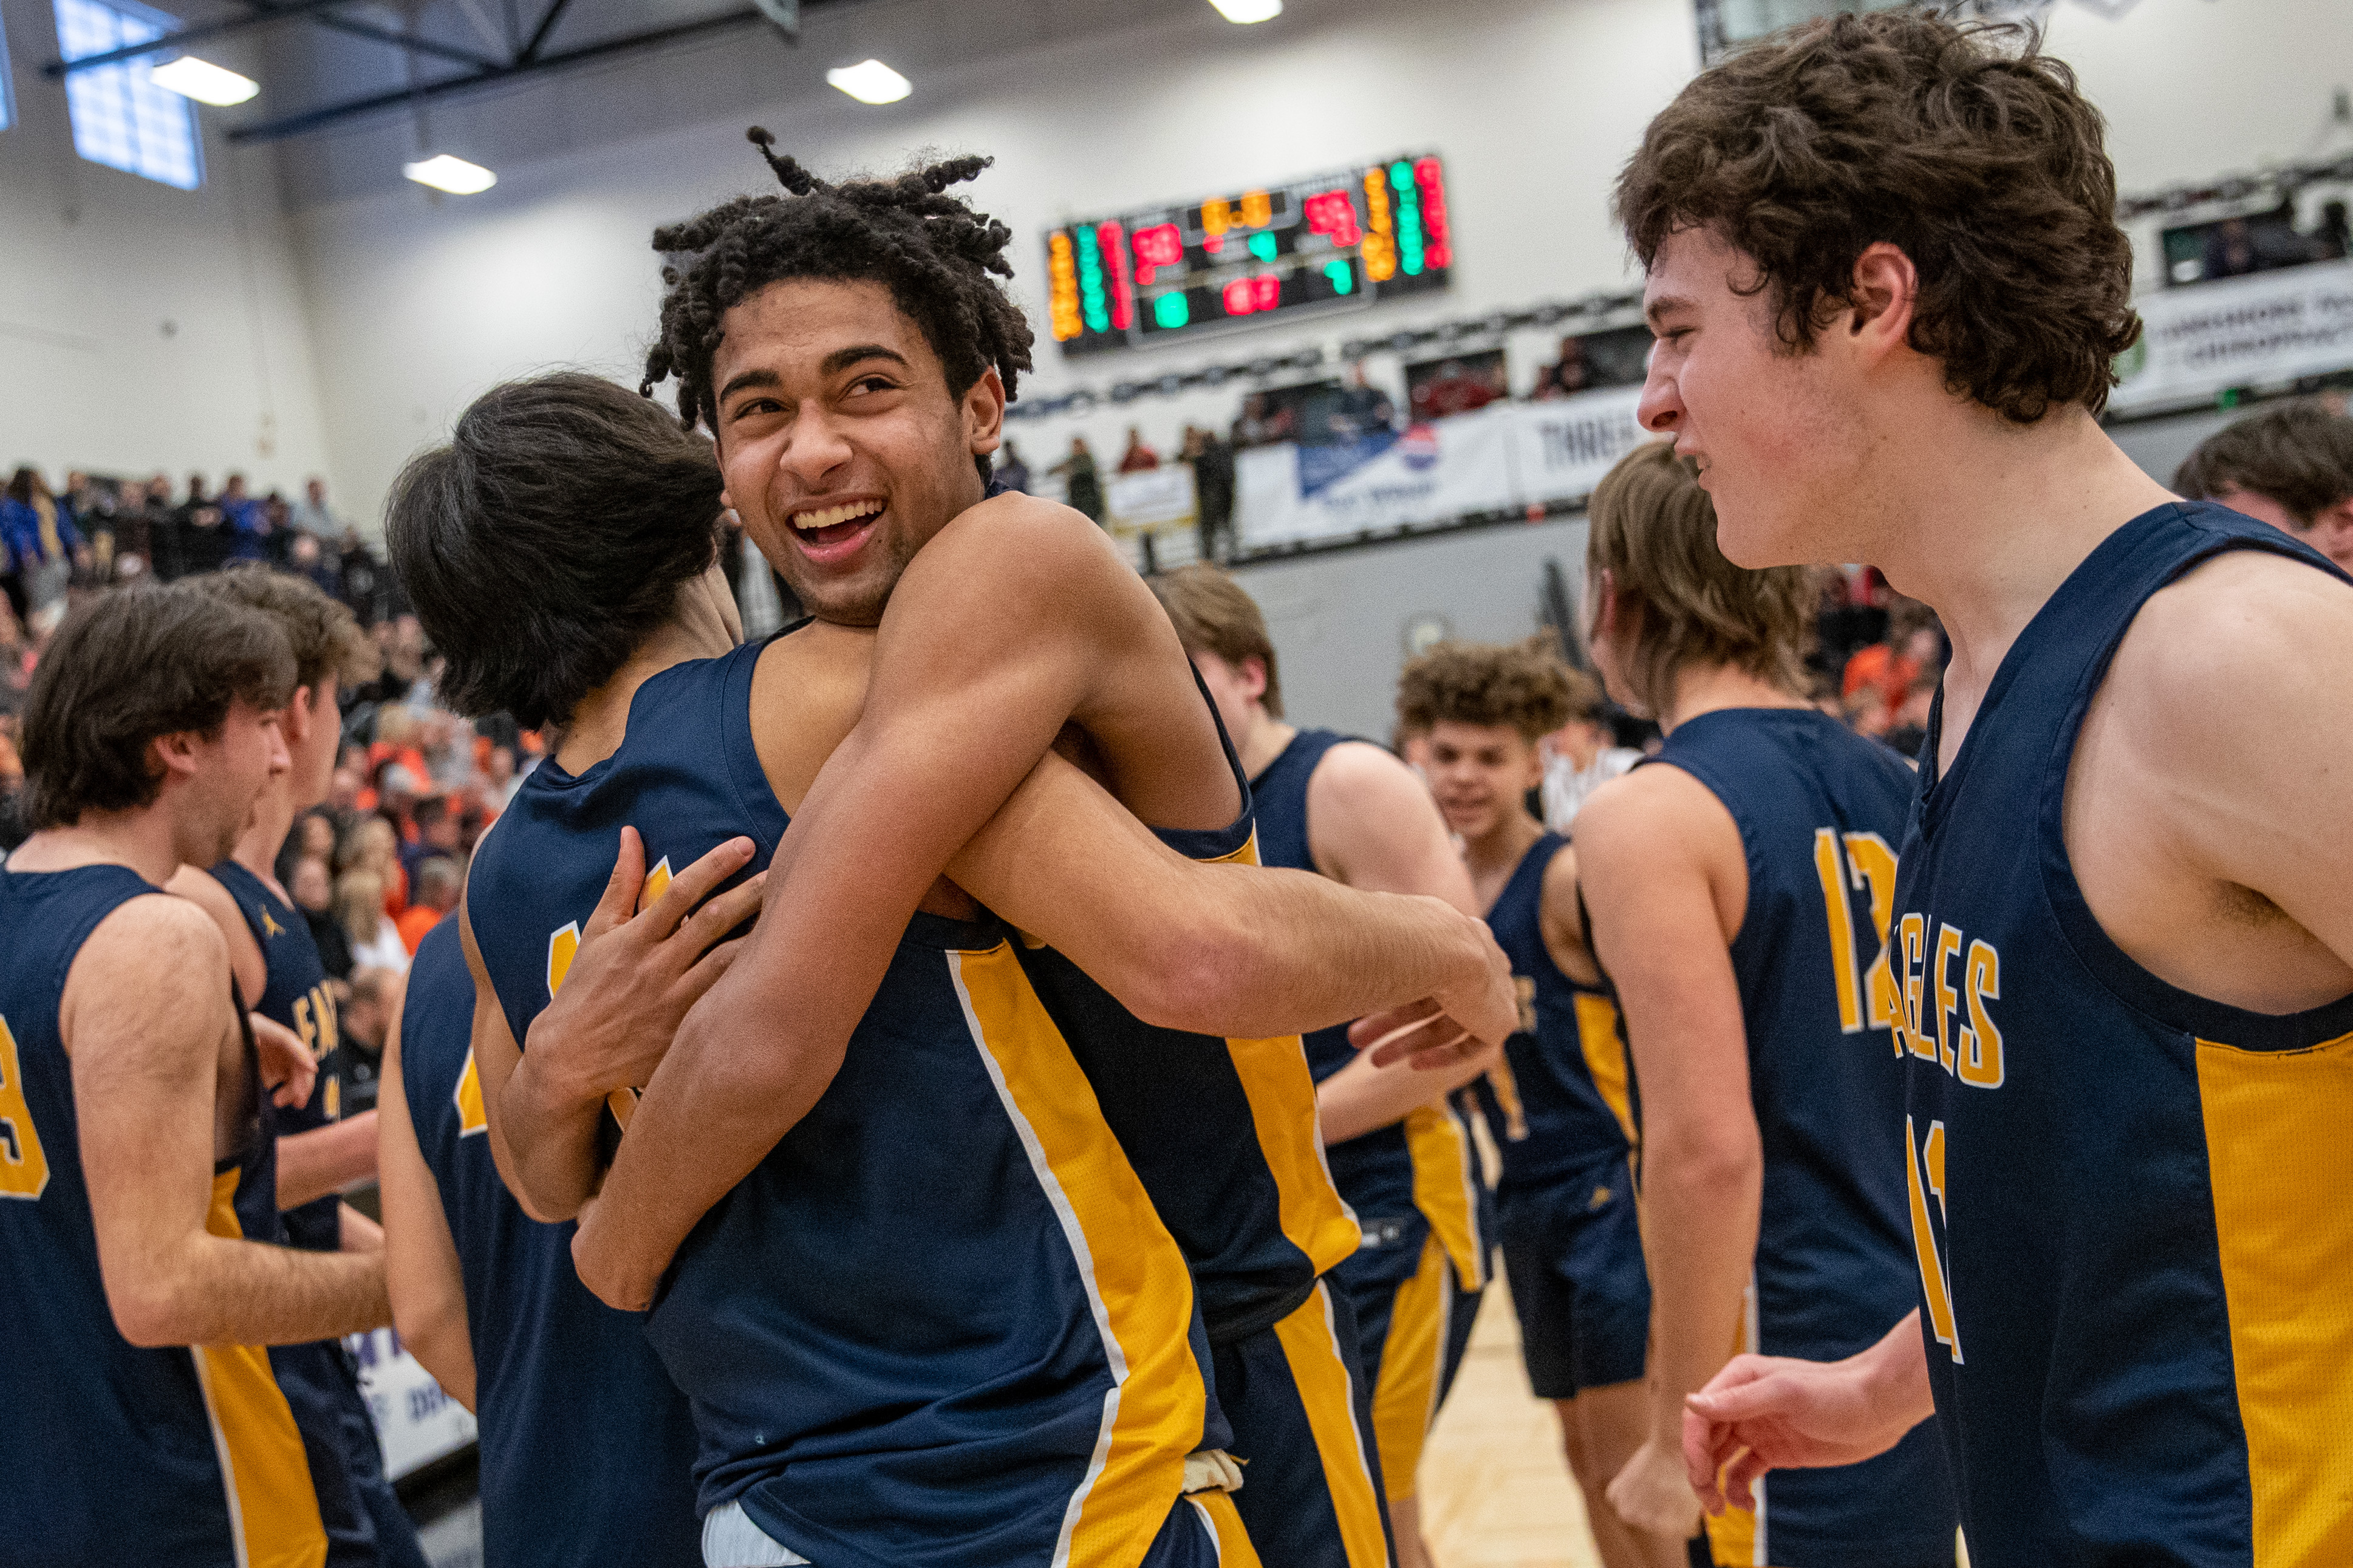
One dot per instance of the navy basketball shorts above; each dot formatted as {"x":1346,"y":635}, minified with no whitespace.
{"x":1574,"y":1256}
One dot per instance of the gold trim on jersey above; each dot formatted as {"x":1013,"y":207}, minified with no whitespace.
{"x":1327,"y":1385}
{"x":1413,"y":1368}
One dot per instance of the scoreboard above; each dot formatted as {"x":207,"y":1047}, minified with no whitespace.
{"x":1335,"y":242}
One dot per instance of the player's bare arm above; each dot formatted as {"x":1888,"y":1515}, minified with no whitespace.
{"x":634,"y":976}
{"x":1661,"y":864}
{"x":1372,"y":825}
{"x":420,"y":1260}
{"x":157,"y":1065}
{"x":2201,"y":816}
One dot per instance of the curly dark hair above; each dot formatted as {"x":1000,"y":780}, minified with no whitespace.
{"x":1521,"y":684}
{"x":1964,"y":146}
{"x":930,"y":250}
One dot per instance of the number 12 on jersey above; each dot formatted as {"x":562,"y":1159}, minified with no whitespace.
{"x":1847,"y":864}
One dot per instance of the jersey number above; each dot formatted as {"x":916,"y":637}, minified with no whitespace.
{"x":1859,"y":861}
{"x":1924,"y":1175}
{"x":23,"y":1169}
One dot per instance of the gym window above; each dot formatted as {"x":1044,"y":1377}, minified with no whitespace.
{"x":120,"y":117}
{"x":7,"y":105}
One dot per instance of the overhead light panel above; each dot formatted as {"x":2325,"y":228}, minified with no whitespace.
{"x":1248,"y":10}
{"x":871,"y":81}
{"x":455,"y":175}
{"x":204,"y":81}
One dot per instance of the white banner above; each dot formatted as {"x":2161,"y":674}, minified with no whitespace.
{"x":1154,"y":500}
{"x":2239,"y":332}
{"x":1428,"y":473}
{"x":1561,"y":448}
{"x":414,"y":1420}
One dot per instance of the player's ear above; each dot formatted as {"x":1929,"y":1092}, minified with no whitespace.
{"x":1886,"y":287}
{"x":983,"y":413}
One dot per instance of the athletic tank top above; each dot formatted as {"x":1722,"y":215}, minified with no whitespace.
{"x":2135,"y":1250}
{"x":1560,"y":1106}
{"x":1425,"y":1164}
{"x":1818,"y":808}
{"x":587,"y":1450}
{"x":940,"y":1326}
{"x":1223,"y":1132}
{"x":176,"y":1455}
{"x":298,"y":996}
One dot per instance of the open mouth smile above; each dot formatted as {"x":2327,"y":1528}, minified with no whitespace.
{"x":831,"y":533}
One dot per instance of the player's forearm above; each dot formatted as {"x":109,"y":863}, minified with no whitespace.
{"x":1895,"y":1375}
{"x":1361,"y":1098}
{"x":550,"y":1132}
{"x":218,"y":1291}
{"x":1701,"y":1197}
{"x":323,"y":1160}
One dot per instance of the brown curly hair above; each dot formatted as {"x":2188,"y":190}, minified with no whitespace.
{"x":930,"y":250}
{"x":324,"y":635}
{"x":1964,"y":146}
{"x":1521,"y":684}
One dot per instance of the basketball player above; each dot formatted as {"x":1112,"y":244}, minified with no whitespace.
{"x":587,"y":1450}
{"x":2291,"y":466}
{"x":464,"y":559}
{"x":1399,"y":1152}
{"x":2125,"y":953}
{"x":1731,"y":887}
{"x":133,"y":1140}
{"x":278,"y":964}
{"x":1561,"y":1105}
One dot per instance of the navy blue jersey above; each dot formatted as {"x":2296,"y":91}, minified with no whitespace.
{"x":2130,"y":1202}
{"x":195,"y":1457}
{"x":1818,"y":807}
{"x":1425,"y":1164}
{"x":940,"y":1326}
{"x":1561,"y":1103}
{"x":588,"y":1449}
{"x":1221,"y":1131}
{"x":298,"y":996}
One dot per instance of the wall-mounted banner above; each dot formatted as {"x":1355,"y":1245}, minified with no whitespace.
{"x":1155,"y":500}
{"x":2239,"y":332}
{"x":1503,"y":457}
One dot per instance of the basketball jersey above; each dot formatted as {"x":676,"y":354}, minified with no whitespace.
{"x":587,"y":1450}
{"x":940,"y":1325}
{"x":1425,"y":1162}
{"x":1560,"y":1106}
{"x":1223,"y":1132}
{"x":1818,"y":808}
{"x":174,"y":1456}
{"x":297,"y":995}
{"x":2130,"y":1202}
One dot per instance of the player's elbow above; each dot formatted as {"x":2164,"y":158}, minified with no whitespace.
{"x":1201,"y":977}
{"x":432,"y":1325}
{"x":156,"y":1314}
{"x":1703,"y":1158}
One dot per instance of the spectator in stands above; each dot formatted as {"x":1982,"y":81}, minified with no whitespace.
{"x":1361,"y":409}
{"x":41,"y":539}
{"x":2291,"y":466}
{"x":374,"y":942}
{"x":1578,"y":757}
{"x":1915,"y":646}
{"x":439,"y":830}
{"x":13,"y":829}
{"x":1212,"y":457}
{"x":372,"y":845}
{"x":1909,"y":731}
{"x":364,"y":585}
{"x":306,"y":557}
{"x":2333,"y":240}
{"x":1453,"y":390}
{"x":1571,"y":372}
{"x":357,"y":1060}
{"x":437,"y":881}
{"x":201,"y":532}
{"x":1138,"y":458}
{"x":1262,"y":425}
{"x":245,"y":520}
{"x":1083,"y":485}
{"x":313,"y":888}
{"x":312,"y":514}
{"x":1011,"y":471}
{"x":15,"y":662}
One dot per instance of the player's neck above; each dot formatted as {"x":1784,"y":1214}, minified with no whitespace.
{"x":602,"y":718}
{"x":1710,"y":687}
{"x":1263,"y":741}
{"x":1503,"y":849}
{"x":141,"y":840}
{"x":1989,"y":519}
{"x":273,"y":818}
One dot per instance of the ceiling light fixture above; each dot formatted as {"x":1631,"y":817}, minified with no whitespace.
{"x":1245,"y":12}
{"x":455,"y":175}
{"x":870,"y":81}
{"x":204,"y":81}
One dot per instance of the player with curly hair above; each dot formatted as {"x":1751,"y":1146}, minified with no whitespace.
{"x":1560,"y":1105}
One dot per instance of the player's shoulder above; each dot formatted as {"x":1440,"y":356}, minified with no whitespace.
{"x":206,"y":891}
{"x":1018,"y":538}
{"x":2247,"y":639}
{"x":160,"y":942}
{"x":1652,"y":811}
{"x":1350,"y":768}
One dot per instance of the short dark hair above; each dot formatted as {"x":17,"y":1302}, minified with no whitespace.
{"x":324,"y":635}
{"x":930,"y":250}
{"x":1964,"y":146}
{"x":1524,"y":684}
{"x":128,"y":668}
{"x":2300,"y":455}
{"x":548,"y":537}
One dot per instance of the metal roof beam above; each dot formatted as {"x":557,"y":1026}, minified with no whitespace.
{"x":55,"y":70}
{"x":408,"y":41}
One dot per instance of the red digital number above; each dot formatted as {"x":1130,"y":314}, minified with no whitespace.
{"x":1240,"y":296}
{"x":1267,"y":290}
{"x":1160,"y":246}
{"x":1334,"y":216}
